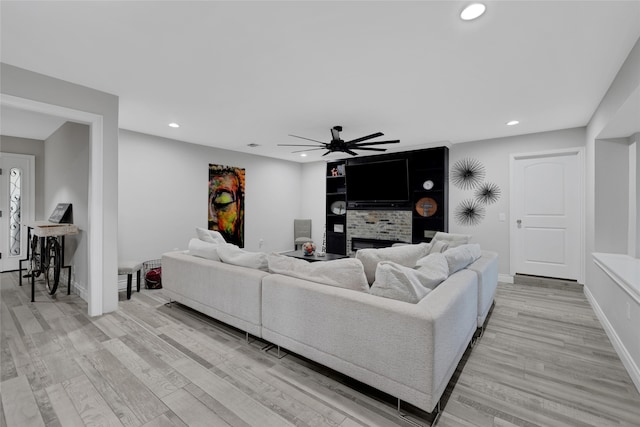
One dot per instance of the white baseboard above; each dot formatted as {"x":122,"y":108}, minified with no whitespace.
{"x":80,"y":290}
{"x":628,"y":362}
{"x":505,"y":278}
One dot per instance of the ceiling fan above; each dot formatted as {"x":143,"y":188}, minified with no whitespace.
{"x":339,"y":145}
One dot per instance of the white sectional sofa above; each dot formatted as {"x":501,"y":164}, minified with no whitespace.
{"x":229,"y":293}
{"x":486,"y":267}
{"x":407,"y":350}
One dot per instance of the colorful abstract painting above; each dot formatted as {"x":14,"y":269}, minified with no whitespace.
{"x":226,"y":202}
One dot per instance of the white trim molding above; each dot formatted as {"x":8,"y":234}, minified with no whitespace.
{"x":628,"y":362}
{"x":94,"y":294}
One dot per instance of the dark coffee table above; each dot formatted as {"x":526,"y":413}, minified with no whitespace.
{"x":312,"y":258}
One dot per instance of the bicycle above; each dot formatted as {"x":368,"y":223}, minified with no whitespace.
{"x":46,"y":260}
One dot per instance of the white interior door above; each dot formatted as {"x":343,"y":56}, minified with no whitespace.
{"x":546,"y":214}
{"x":17,"y":206}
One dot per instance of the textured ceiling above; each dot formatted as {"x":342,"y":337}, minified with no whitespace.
{"x":235,"y":73}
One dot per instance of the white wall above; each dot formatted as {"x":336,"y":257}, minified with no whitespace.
{"x":36,"y":88}
{"x":163,"y":196}
{"x":34,"y":147}
{"x":66,"y":177}
{"x":606,"y":296}
{"x":634,"y":200}
{"x":494,"y":154}
{"x":612,"y":196}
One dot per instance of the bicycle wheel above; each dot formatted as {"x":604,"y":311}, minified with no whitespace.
{"x":53,"y":264}
{"x":36,"y":256}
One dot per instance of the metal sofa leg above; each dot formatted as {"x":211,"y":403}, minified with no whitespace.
{"x":270,"y":346}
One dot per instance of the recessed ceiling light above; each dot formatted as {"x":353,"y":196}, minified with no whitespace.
{"x":473,"y":11}
{"x":512,"y":122}
{"x":174,"y":125}
{"x":303,"y":155}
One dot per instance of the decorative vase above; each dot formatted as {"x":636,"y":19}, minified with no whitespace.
{"x":308,"y":248}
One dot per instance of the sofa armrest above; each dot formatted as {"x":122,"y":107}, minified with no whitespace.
{"x":230,"y":289}
{"x":486,"y":267}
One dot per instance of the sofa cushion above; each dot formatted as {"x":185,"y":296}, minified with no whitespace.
{"x":402,"y":283}
{"x":344,"y":273}
{"x":435,"y":266}
{"x":438,"y":246}
{"x":203,"y":249}
{"x":231,"y":254}
{"x":210,"y":236}
{"x":452,"y":239}
{"x":406,"y":255}
{"x":462,"y":256}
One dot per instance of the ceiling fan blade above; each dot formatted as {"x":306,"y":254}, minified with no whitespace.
{"x":312,"y":149}
{"x":326,"y":153}
{"x":369,"y":149}
{"x":308,"y":139}
{"x":395,"y":141}
{"x":364,"y":138}
{"x":353,"y":153}
{"x":299,"y":145}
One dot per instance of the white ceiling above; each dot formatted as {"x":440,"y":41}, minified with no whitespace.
{"x":235,"y":73}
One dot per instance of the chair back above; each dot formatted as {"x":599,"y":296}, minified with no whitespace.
{"x":302,"y":228}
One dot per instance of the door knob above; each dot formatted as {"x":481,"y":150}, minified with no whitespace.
{"x":519,"y":222}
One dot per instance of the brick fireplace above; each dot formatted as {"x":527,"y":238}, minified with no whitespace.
{"x":378,"y":224}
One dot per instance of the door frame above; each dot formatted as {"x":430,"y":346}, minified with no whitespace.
{"x":95,"y":233}
{"x":580,"y":154}
{"x":31,"y":159}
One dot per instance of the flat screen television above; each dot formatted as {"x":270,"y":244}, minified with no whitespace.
{"x":382,"y":183}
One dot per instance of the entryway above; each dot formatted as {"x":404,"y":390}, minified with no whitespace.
{"x":547,"y":211}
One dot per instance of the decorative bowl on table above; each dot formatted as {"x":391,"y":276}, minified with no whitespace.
{"x":308,"y":248}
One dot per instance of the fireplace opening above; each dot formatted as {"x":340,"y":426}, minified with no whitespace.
{"x":365,"y":243}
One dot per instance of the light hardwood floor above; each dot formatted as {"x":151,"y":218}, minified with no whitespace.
{"x":544,"y":360}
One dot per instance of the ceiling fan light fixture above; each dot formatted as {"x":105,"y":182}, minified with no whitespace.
{"x":472,"y":11}
{"x":174,"y":125}
{"x":337,"y":144}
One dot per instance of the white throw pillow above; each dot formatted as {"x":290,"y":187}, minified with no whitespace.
{"x":203,"y":249}
{"x":438,"y":246}
{"x":406,"y":255}
{"x":398,"y":282}
{"x":452,"y":239}
{"x":435,"y":268}
{"x":231,"y":254}
{"x":462,"y":256}
{"x":344,"y":273}
{"x":210,"y":236}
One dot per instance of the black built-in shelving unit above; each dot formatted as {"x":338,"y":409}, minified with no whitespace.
{"x":424,"y":165}
{"x":336,"y":221}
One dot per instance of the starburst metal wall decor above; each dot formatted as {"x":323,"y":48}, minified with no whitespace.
{"x":488,"y":193}
{"x":467,"y":173}
{"x":469,"y":212}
